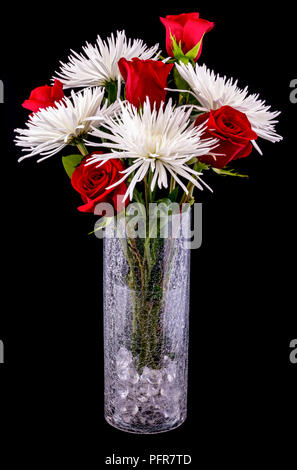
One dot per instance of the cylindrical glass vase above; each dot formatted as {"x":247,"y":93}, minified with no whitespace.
{"x":146,"y":310}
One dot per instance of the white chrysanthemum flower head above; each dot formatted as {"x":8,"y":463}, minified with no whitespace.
{"x":162,"y":140}
{"x":51,"y":129}
{"x":98,"y":64}
{"x":213,"y":91}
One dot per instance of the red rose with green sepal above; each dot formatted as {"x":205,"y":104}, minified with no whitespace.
{"x":185,"y":32}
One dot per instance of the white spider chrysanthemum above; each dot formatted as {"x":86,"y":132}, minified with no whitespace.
{"x":162,"y":140}
{"x":51,"y":129}
{"x":213,"y":91}
{"x":99,"y":63}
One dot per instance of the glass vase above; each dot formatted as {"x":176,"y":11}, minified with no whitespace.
{"x":146,"y":317}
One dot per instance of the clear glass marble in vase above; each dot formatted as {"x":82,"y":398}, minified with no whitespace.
{"x":146,"y":317}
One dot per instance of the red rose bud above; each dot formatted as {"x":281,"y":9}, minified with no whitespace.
{"x":91,"y":182}
{"x":145,"y":78}
{"x":234,"y":132}
{"x":188,"y":30}
{"x":44,"y":96}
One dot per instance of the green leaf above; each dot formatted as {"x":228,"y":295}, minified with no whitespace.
{"x":173,"y":195}
{"x":192,"y":161}
{"x":192,"y":54}
{"x":199,"y":166}
{"x":159,"y":216}
{"x":163,"y":205}
{"x":180,"y":83}
{"x":101,"y":223}
{"x":226,"y":172}
{"x":138,"y":196}
{"x":71,"y":162}
{"x":164,"y":200}
{"x":193,"y":100}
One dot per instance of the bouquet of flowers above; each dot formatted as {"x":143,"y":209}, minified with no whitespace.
{"x":148,"y":128}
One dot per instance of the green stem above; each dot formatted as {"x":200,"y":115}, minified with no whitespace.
{"x":147,"y":197}
{"x":186,"y":197}
{"x":82,"y":148}
{"x":172,"y":184}
{"x":190,"y":187}
{"x":144,"y":355}
{"x":146,"y":283}
{"x":112,"y":91}
{"x":146,"y":194}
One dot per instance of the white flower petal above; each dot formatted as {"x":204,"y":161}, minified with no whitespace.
{"x":213,"y":91}
{"x":50,"y":129}
{"x":163,"y":140}
{"x":98,"y":64}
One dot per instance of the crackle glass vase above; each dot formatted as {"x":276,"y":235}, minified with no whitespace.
{"x":146,"y":310}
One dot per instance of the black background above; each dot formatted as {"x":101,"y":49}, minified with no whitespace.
{"x":242,"y":400}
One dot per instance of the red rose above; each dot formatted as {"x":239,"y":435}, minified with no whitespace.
{"x":91,"y":182}
{"x":145,"y":78}
{"x":234,"y":132}
{"x":188,"y":29}
{"x":44,"y":96}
